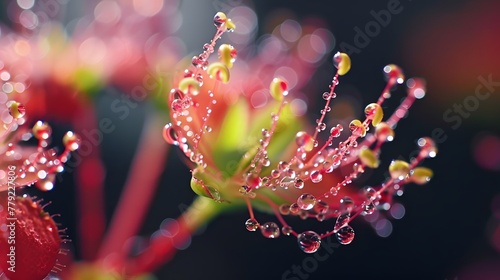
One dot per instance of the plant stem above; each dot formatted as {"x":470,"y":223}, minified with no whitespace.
{"x":89,"y":182}
{"x":163,"y":247}
{"x":146,"y":169}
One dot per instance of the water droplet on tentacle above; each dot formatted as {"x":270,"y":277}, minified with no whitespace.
{"x":309,"y":241}
{"x":251,"y":225}
{"x":341,"y":222}
{"x":306,"y":201}
{"x":345,"y":235}
{"x":316,"y":176}
{"x":270,"y":230}
{"x":41,"y":130}
{"x":287,"y":230}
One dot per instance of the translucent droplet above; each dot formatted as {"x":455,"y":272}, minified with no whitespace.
{"x":384,"y":132}
{"x":290,"y":173}
{"x":321,"y":207}
{"x":416,"y":87}
{"x":347,"y":203}
{"x":345,"y":235}
{"x":282,"y":166}
{"x":187,"y":74}
{"x":299,"y":183}
{"x":170,"y":134}
{"x":287,"y":182}
{"x":309,"y":241}
{"x":208,"y":47}
{"x":306,"y":201}
{"x":392,"y":71}
{"x":370,"y":193}
{"x":47,"y":183}
{"x":316,"y":176}
{"x":294,"y":208}
{"x":71,"y":141}
{"x":287,"y":230}
{"x":341,"y":222}
{"x":199,"y":78}
{"x":369,"y":208}
{"x":10,"y":150}
{"x":214,"y":193}
{"x":427,"y":147}
{"x":41,"y":130}
{"x":252,"y":225}
{"x":336,"y":130}
{"x":304,"y":141}
{"x":253,"y":181}
{"x":176,"y":105}
{"x":270,"y":230}
{"x":284,"y":209}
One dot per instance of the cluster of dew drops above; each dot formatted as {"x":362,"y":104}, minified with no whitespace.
{"x":38,"y":167}
{"x":312,"y":161}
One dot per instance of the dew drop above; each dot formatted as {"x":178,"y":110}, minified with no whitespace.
{"x":270,"y":230}
{"x":309,"y":241}
{"x":341,"y":222}
{"x":214,"y":193}
{"x":336,"y":130}
{"x":392,"y":71}
{"x":287,"y":230}
{"x":284,"y":209}
{"x":47,"y":183}
{"x":71,"y":141}
{"x":282,"y":166}
{"x":316,"y":176}
{"x":253,"y":181}
{"x":176,"y":105}
{"x":347,"y":203}
{"x":321,"y":207}
{"x":187,"y":74}
{"x":251,"y":225}
{"x":370,"y":193}
{"x":427,"y":147}
{"x":170,"y":134}
{"x":10,"y":150}
{"x":294,"y":208}
{"x":41,"y":130}
{"x":369,"y":208}
{"x":287,"y":182}
{"x":299,"y":183}
{"x":304,"y":140}
{"x":208,"y":47}
{"x":345,"y":235}
{"x":306,"y":201}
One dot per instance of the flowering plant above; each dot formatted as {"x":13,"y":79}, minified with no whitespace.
{"x":247,"y":146}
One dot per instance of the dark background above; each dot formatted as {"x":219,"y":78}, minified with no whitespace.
{"x":448,"y":227}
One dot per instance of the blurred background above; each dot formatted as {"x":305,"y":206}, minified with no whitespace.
{"x":451,"y":229}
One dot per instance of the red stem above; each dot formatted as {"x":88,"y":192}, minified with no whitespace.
{"x":89,"y":184}
{"x":164,"y":246}
{"x":139,"y":189}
